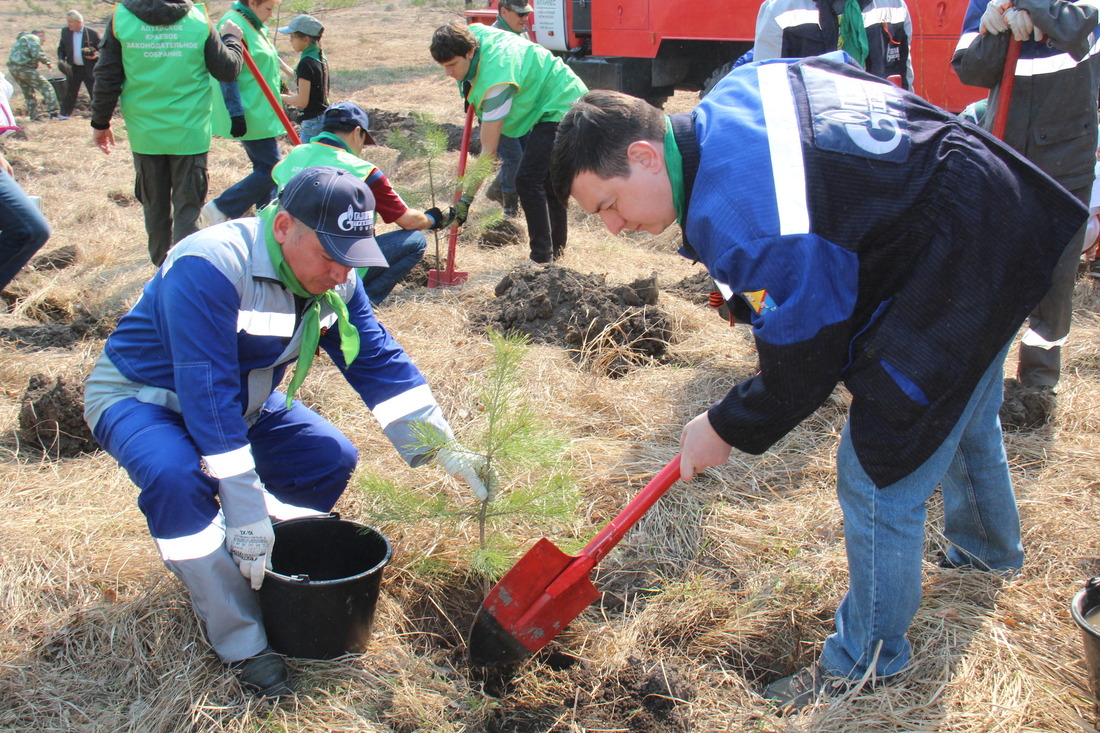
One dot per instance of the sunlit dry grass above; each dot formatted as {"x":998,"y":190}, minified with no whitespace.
{"x":726,"y":583}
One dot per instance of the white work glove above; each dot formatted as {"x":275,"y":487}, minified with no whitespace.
{"x":993,"y":21}
{"x":250,"y":546}
{"x":468,"y":467}
{"x":1019,"y":22}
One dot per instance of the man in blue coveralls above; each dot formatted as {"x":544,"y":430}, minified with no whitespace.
{"x":869,"y":238}
{"x":184,"y":397}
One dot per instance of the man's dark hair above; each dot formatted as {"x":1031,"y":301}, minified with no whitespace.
{"x":595,"y":133}
{"x":454,"y":39}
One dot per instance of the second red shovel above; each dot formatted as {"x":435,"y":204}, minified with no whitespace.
{"x":546,"y":589}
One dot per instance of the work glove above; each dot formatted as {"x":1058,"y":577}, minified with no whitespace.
{"x":237,"y":126}
{"x":250,"y":546}
{"x":470,"y":468}
{"x":993,"y":21}
{"x":439,"y":219}
{"x":462,"y":211}
{"x":1019,"y":22}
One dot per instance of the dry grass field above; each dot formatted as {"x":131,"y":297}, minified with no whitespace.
{"x":727,"y":583}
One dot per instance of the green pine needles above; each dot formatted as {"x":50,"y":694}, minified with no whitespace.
{"x":535,"y":493}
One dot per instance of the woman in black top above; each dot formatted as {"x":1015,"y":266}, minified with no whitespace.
{"x":312,"y":73}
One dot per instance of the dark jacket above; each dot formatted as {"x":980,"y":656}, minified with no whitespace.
{"x":882,"y":242}
{"x":89,"y":45}
{"x":223,"y":55}
{"x":1052,"y":113}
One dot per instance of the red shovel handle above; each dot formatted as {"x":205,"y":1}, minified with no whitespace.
{"x":602,"y":543}
{"x":275,"y":103}
{"x":1004,"y":93}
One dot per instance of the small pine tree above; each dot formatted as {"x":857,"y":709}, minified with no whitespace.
{"x":534,"y":482}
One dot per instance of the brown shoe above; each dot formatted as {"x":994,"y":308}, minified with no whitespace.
{"x":803,"y":688}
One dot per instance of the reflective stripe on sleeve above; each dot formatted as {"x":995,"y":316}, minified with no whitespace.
{"x":874,"y":16}
{"x":798,"y":16}
{"x":785,"y":145}
{"x":233,"y":463}
{"x":399,"y":406}
{"x":965,"y":40}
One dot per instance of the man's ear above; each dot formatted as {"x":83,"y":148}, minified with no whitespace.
{"x":281,"y":226}
{"x":646,"y":155}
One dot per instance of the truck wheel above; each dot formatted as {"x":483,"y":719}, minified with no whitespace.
{"x":715,"y":77}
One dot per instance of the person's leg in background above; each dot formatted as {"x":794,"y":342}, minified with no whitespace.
{"x":189,"y":185}
{"x":531,"y":178}
{"x":403,"y":249}
{"x":1048,"y":325}
{"x":153,"y":188}
{"x":23,"y":229}
{"x":257,"y":188}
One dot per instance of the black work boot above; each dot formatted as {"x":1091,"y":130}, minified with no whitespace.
{"x":265,"y":674}
{"x":510,"y":202}
{"x":495,"y":191}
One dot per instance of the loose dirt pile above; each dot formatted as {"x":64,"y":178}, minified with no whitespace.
{"x":51,"y":417}
{"x":609,"y":328}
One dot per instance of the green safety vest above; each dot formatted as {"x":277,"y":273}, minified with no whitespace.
{"x":545,"y":86}
{"x":317,"y":152}
{"x":260,"y":117}
{"x":165,"y":99}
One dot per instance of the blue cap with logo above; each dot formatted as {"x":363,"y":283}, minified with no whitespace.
{"x":339,"y":208}
{"x":347,"y":115}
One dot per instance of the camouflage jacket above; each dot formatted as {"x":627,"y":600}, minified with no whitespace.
{"x":27,"y":51}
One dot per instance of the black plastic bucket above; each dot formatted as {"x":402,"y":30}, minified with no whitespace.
{"x":318,"y":598}
{"x":1086,"y":612}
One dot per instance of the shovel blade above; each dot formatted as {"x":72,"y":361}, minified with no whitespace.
{"x":530,"y":605}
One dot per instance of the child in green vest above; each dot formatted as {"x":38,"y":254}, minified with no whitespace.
{"x":312,"y":74}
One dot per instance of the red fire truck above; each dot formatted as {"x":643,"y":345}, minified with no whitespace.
{"x":650,"y":48}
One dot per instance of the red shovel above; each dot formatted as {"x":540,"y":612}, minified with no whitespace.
{"x":1004,"y":94}
{"x":546,"y":589}
{"x":448,"y":276}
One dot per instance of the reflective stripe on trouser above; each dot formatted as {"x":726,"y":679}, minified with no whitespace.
{"x":884,"y":532}
{"x":303,"y":461}
{"x":1048,"y":325}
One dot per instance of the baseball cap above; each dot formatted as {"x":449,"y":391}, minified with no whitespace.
{"x":519,"y":6}
{"x":339,"y":208}
{"x":305,"y":24}
{"x":347,"y":114}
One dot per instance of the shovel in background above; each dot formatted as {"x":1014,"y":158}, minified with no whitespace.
{"x":448,"y":276}
{"x":546,"y":589}
{"x":1004,"y":93}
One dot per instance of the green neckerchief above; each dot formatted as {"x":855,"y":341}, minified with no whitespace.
{"x":474,"y":61}
{"x":674,"y":164}
{"x":311,"y":319}
{"x":248,"y":15}
{"x":331,"y":139}
{"x":853,"y":34}
{"x":312,"y":51}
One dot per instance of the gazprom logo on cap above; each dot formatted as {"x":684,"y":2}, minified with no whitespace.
{"x":356,"y":221}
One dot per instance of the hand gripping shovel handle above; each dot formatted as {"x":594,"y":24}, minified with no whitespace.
{"x":1004,"y":92}
{"x":275,"y":103}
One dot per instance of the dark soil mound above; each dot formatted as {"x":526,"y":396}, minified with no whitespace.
{"x":611,"y":328}
{"x":1026,"y":408}
{"x":56,"y":259}
{"x":695,"y":288}
{"x":51,"y":417}
{"x":384,"y":123}
{"x":501,"y":234}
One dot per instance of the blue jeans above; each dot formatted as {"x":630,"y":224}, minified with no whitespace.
{"x":884,"y":532}
{"x":510,"y":151}
{"x":23,"y":229}
{"x":403,"y":249}
{"x":257,"y":188}
{"x":311,"y":128}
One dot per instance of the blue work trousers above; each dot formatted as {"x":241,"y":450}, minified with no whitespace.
{"x":884,"y":532}
{"x":403,"y":249}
